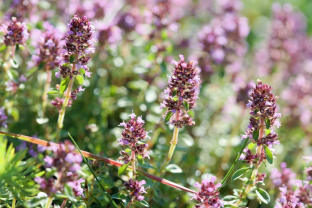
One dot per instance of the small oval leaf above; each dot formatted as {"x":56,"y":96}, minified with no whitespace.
{"x":119,"y":196}
{"x":255,"y":134}
{"x":64,"y":84}
{"x":123,"y":168}
{"x":263,"y":195}
{"x":186,"y":105}
{"x":144,"y":203}
{"x":267,"y":123}
{"x":168,"y":116}
{"x":173,"y":168}
{"x":239,"y":173}
{"x":53,"y":92}
{"x":268,"y":154}
{"x":80,"y":79}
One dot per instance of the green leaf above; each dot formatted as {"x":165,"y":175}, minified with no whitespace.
{"x":68,"y":191}
{"x":17,"y":48}
{"x":174,"y":93}
{"x":267,"y":131}
{"x":239,"y":173}
{"x":140,"y":159}
{"x":53,"y":92}
{"x":42,"y":120}
{"x":64,"y":85}
{"x":173,"y":168}
{"x":229,"y":198}
{"x":268,"y":154}
{"x":251,"y":146}
{"x":186,"y":105}
{"x":41,"y":65}
{"x":72,"y":58}
{"x":80,"y":79}
{"x":123,"y":168}
{"x":267,"y":123}
{"x":14,"y":63}
{"x":255,"y":134}
{"x":119,"y":196}
{"x":82,"y":71}
{"x":168,"y":116}
{"x":144,"y":203}
{"x":263,"y":195}
{"x":3,"y":47}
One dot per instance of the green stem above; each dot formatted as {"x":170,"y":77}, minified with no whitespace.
{"x":63,"y":110}
{"x":172,"y":148}
{"x":13,"y":203}
{"x":133,"y":164}
{"x":232,"y":167}
{"x":49,"y":202}
{"x":85,"y":160}
{"x":255,"y":171}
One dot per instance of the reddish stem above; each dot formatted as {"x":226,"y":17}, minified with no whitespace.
{"x":93,"y":156}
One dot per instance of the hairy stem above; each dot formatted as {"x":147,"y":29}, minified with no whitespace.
{"x":255,"y":171}
{"x":45,"y":91}
{"x":64,"y":203}
{"x":133,"y":164}
{"x":13,"y":203}
{"x":63,"y":110}
{"x":173,"y":142}
{"x":173,"y":145}
{"x":49,"y":202}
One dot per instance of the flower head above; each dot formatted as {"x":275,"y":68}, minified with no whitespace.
{"x":65,"y":162}
{"x":284,"y":177}
{"x":136,"y":189}
{"x":133,"y":136}
{"x":15,"y":33}
{"x":208,"y":194}
{"x":79,"y":43}
{"x":181,"y":93}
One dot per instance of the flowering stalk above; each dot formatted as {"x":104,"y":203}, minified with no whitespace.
{"x":180,"y":98}
{"x":263,"y":117}
{"x":14,"y":34}
{"x":132,"y":137}
{"x":75,"y":57}
{"x":49,"y":202}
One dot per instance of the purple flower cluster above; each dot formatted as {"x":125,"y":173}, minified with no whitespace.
{"x":78,"y":46}
{"x":208,"y":194}
{"x":285,"y":177}
{"x":33,"y":149}
{"x":3,"y":118}
{"x":287,"y":45}
{"x":294,"y":193}
{"x":263,"y":113}
{"x":181,"y":93}
{"x":132,"y":137}
{"x":22,"y":8}
{"x":136,"y":189}
{"x":65,"y":163}
{"x":224,"y":39}
{"x":58,"y":103}
{"x":47,"y":52}
{"x":15,"y":33}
